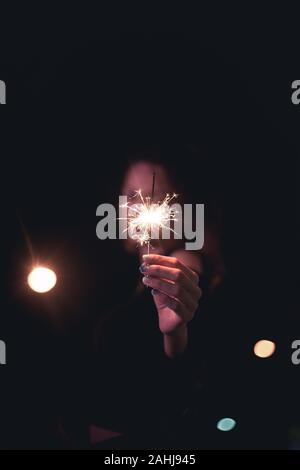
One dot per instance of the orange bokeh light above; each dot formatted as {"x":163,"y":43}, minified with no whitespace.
{"x":264,"y":348}
{"x":41,"y":279}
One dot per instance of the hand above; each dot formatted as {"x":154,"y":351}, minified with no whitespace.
{"x":175,"y":291}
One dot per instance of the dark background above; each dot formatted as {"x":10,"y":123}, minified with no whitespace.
{"x":82,"y":86}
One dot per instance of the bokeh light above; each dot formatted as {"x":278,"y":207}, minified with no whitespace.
{"x":226,"y":424}
{"x":264,"y":348}
{"x":41,"y":279}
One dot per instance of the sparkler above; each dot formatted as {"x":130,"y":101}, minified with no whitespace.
{"x":145,"y":217}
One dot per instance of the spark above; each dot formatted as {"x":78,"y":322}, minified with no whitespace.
{"x":145,"y":217}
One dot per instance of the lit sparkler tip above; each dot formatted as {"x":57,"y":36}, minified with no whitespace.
{"x":146,"y":216}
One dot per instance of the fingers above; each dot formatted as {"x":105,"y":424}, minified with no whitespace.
{"x":174,"y":290}
{"x":173,"y":281}
{"x":172,"y":274}
{"x":171,"y":262}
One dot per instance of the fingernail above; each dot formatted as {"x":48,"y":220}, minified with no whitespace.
{"x":143,"y":268}
{"x":154,"y":291}
{"x":145,"y":280}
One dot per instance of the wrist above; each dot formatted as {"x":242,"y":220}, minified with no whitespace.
{"x":175,"y":342}
{"x":178,"y":331}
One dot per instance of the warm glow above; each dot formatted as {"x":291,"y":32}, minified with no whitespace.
{"x":264,"y":348}
{"x":41,"y":279}
{"x":147,"y":217}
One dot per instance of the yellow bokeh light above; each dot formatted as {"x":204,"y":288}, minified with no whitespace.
{"x":41,"y":279}
{"x":264,"y":348}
